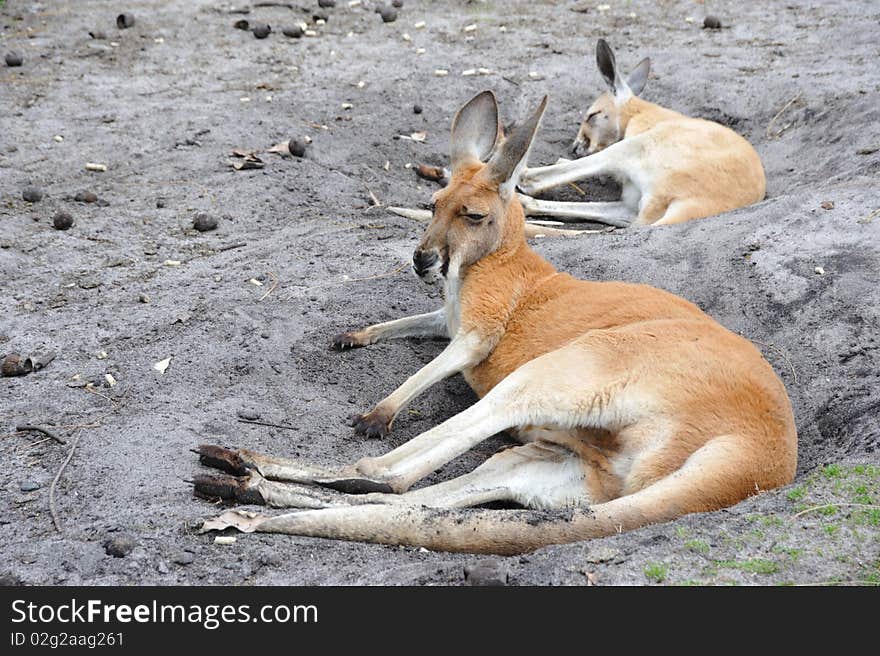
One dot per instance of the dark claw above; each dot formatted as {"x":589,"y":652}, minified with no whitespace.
{"x":345,"y":341}
{"x":222,"y":459}
{"x":356,"y":486}
{"x":228,"y":488}
{"x":373,"y":424}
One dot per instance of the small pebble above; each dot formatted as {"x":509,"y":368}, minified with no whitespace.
{"x":14,"y":365}
{"x":13,"y":59}
{"x":819,"y":271}
{"x":184,"y":558}
{"x":397,"y":3}
{"x":29,"y":486}
{"x":62,"y":220}
{"x":388,"y":14}
{"x":204,"y":222}
{"x":827,"y":205}
{"x":417,"y":109}
{"x":241,"y":25}
{"x":98,"y":35}
{"x":32,"y":194}
{"x":261,"y":30}
{"x":250,"y":414}
{"x":124,"y":21}
{"x":326,"y":4}
{"x":711,"y":23}
{"x":119,"y":546}
{"x":294,"y":32}
{"x":143,"y":298}
{"x":297,"y":148}
{"x":160,"y":203}
{"x":86,"y":197}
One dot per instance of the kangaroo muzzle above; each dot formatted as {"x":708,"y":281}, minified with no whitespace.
{"x":580,"y":146}
{"x":425,"y":261}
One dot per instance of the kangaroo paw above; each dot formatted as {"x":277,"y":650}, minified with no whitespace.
{"x":228,"y":488}
{"x":221,"y":458}
{"x":346,"y":341}
{"x":375,"y":423}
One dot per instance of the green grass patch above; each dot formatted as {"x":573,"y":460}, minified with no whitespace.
{"x":797,"y":493}
{"x":866,"y":516}
{"x":656,"y":572}
{"x":700,"y":546}
{"x":867,"y":470}
{"x":832,"y":471}
{"x":794,"y":554}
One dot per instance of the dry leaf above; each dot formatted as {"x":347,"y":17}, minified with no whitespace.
{"x":162,"y":365}
{"x":247,"y":164}
{"x":282,"y":148}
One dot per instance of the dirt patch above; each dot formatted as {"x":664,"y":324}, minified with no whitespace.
{"x":162,"y":104}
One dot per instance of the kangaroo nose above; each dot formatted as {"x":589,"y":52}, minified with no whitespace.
{"x":423,"y":260}
{"x":580,"y":145}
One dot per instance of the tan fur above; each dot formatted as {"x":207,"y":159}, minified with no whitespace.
{"x":633,"y":405}
{"x":707,"y":380}
{"x":685,"y":168}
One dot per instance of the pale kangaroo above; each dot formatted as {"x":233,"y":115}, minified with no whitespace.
{"x":633,"y":406}
{"x":672,"y":168}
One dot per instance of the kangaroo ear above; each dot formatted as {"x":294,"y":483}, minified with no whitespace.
{"x":508,"y":161}
{"x":638,"y":78}
{"x":475,"y":130}
{"x":607,"y":64}
{"x":608,"y":68}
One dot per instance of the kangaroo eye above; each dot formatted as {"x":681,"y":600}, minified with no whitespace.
{"x":590,"y":117}
{"x":475,"y":216}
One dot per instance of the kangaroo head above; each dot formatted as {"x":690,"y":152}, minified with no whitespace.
{"x":478,"y":212}
{"x":605,"y":120}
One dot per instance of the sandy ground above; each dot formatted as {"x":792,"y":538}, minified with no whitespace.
{"x":162,"y":104}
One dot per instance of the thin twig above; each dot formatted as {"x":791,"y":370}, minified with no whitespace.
{"x":35,"y":444}
{"x":264,"y":423}
{"x":784,"y":356}
{"x":52,"y":509}
{"x":45,"y":431}
{"x":229,"y":247}
{"x":870,"y":216}
{"x":778,"y":114}
{"x":834,"y":505}
{"x":272,"y":288}
{"x":578,"y":189}
{"x":373,"y":198}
